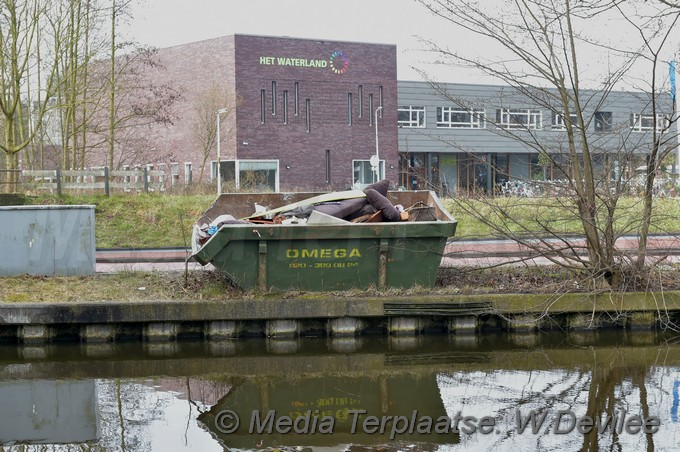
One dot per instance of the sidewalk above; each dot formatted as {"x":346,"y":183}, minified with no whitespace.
{"x":494,"y":252}
{"x":468,"y":253}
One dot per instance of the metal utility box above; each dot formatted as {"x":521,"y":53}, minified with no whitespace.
{"x":327,"y":256}
{"x":47,"y":240}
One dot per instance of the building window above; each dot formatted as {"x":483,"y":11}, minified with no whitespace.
{"x":307,"y":115}
{"x":263,"y":105}
{"x":603,"y":121}
{"x":363,"y":173}
{"x":273,"y":98}
{"x":558,"y":122}
{"x":285,"y":106}
{"x":361,"y":101}
{"x":410,"y":116}
{"x":349,"y":109}
{"x":519,"y":118}
{"x":187,"y":173}
{"x":259,"y":175}
{"x":297,"y":98}
{"x":643,"y":123}
{"x":380,"y":100}
{"x":459,"y":118}
{"x":370,"y":108}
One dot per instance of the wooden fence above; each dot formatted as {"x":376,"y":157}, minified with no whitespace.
{"x":58,"y":181}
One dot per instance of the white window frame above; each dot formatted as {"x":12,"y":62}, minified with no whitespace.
{"x":558,"y":121}
{"x":369,"y":176}
{"x":638,"y":122}
{"x":237,"y":169}
{"x":534,"y":118}
{"x":417,"y":115}
{"x":476,"y":118}
{"x":188,"y":173}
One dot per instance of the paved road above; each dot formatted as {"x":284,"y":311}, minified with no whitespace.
{"x":115,"y":260}
{"x":457,"y":252}
{"x":495,"y":252}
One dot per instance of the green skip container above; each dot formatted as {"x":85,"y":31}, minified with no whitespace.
{"x":328,"y":255}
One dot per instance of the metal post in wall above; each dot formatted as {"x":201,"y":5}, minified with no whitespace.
{"x":489,"y":174}
{"x":219,"y":139}
{"x":58,"y":181}
{"x":106,"y":182}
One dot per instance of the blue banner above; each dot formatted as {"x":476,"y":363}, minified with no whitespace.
{"x":671,"y":76}
{"x":676,"y":400}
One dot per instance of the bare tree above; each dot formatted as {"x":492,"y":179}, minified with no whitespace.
{"x":69,"y":84}
{"x":138,"y":103}
{"x":118,"y":8}
{"x":663,"y":143}
{"x":20,"y":25}
{"x":106,"y":100}
{"x":121,"y":99}
{"x":62,"y":126}
{"x":204,"y":122}
{"x":670,"y":3}
{"x":545,"y":46}
{"x":86,"y":41}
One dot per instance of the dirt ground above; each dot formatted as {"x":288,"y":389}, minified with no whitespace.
{"x":550,"y":279}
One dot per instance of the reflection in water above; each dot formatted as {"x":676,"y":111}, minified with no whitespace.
{"x":101,"y":415}
{"x":613,"y":398}
{"x":415,"y":393}
{"x":144,"y":415}
{"x":63,"y":411}
{"x":329,"y":410}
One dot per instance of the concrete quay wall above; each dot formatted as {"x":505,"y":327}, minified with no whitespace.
{"x":323,"y":315}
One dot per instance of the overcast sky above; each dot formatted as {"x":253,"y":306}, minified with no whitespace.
{"x":165,"y":23}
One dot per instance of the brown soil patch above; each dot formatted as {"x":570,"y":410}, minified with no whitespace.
{"x":550,"y":279}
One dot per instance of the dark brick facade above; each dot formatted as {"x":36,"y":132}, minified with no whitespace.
{"x":248,"y":65}
{"x":371,"y":69}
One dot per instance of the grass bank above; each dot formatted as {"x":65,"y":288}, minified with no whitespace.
{"x":130,"y":286}
{"x":139,"y":220}
{"x":525,"y":216}
{"x":163,"y":220}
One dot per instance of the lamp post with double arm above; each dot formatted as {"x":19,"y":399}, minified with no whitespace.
{"x":376,"y":166}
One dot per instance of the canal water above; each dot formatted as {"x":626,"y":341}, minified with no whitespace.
{"x":606,"y":390}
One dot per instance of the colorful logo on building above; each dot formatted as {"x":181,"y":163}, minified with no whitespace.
{"x":339,"y":62}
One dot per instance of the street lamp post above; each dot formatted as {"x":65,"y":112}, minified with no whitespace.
{"x":377,"y":152}
{"x":219,"y":139}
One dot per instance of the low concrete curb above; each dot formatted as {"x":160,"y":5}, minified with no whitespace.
{"x":333,"y":316}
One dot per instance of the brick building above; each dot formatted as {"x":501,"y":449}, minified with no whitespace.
{"x":301,"y":113}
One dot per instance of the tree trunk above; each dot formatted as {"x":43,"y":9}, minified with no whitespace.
{"x":112,"y":88}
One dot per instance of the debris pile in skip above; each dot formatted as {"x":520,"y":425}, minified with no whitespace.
{"x":370,"y":205}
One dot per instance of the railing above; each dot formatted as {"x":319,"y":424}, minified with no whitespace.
{"x":57,"y":181}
